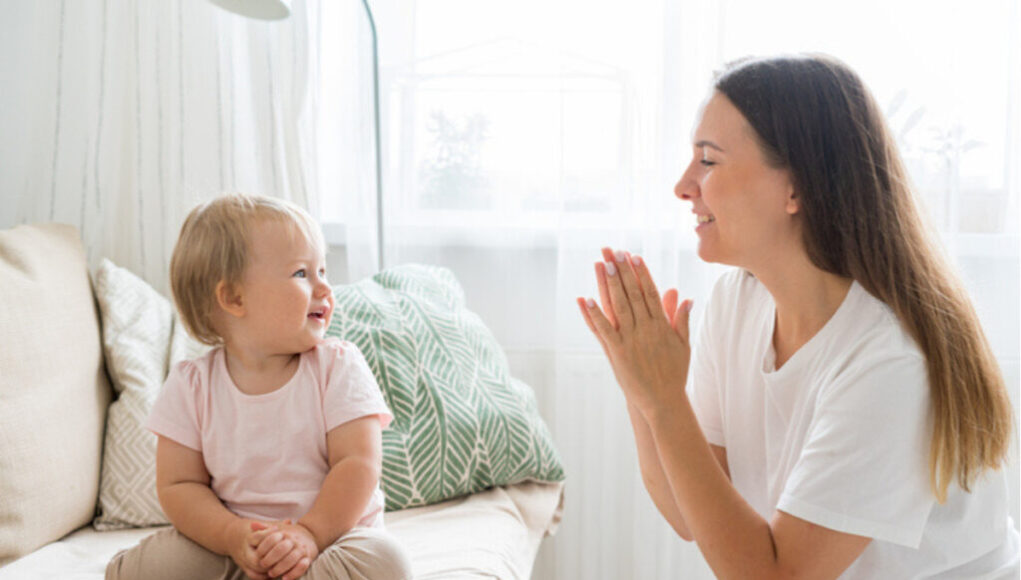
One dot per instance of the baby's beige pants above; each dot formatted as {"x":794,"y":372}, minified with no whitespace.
{"x":361,"y":554}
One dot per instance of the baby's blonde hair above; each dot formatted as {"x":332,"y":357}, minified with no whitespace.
{"x":214,"y":245}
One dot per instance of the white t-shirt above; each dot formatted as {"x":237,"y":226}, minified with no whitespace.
{"x":266,"y":454}
{"x":839,"y":436}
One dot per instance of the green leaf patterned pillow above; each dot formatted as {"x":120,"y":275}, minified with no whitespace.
{"x":461,"y":422}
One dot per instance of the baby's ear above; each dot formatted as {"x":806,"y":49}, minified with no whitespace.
{"x":230,"y":299}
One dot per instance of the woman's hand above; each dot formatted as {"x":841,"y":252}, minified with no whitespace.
{"x":644,"y":337}
{"x":285,"y":550}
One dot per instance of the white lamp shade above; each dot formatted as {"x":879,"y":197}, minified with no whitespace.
{"x":261,"y":9}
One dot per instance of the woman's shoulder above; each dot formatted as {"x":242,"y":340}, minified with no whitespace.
{"x":869,"y":346}
{"x":736,"y":291}
{"x":737,"y":282}
{"x":875,"y":328}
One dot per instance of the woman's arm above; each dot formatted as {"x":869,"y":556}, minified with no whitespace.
{"x":735,"y":540}
{"x":654,"y":477}
{"x":649,"y":354}
{"x":182,"y":485}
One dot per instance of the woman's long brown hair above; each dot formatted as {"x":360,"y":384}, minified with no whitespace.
{"x":814,"y":116}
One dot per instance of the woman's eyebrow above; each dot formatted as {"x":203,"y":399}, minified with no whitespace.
{"x":710,"y":144}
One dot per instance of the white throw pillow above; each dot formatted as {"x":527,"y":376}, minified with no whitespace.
{"x":141,"y":339}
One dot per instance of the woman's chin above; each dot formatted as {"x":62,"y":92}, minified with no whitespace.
{"x":709,"y":253}
{"x":705,"y":252}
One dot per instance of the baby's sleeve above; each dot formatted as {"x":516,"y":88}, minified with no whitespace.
{"x":351,"y":391}
{"x":174,"y":415}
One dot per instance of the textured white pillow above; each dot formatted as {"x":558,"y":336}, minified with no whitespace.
{"x":141,"y":339}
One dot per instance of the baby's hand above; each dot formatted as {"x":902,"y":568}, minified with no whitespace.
{"x":286,"y":551}
{"x":243,"y":550}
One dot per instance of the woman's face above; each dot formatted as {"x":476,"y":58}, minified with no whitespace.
{"x":746,"y":209}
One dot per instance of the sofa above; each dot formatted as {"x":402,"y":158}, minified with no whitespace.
{"x":83,"y":354}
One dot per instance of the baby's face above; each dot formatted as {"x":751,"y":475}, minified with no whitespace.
{"x":288,"y":301}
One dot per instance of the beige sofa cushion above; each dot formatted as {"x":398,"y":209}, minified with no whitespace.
{"x":491,"y":534}
{"x":53,"y":388}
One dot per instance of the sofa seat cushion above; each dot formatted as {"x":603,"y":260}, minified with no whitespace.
{"x":493,"y":534}
{"x":53,"y":388}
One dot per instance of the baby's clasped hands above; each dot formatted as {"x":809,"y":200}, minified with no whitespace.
{"x":284,"y":549}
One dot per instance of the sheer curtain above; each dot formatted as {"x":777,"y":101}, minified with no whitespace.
{"x":519,"y":138}
{"x":118,"y":116}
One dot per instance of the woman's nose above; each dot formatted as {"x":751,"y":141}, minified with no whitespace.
{"x":687,"y":187}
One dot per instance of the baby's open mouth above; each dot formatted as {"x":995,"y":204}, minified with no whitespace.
{"x":320,"y":314}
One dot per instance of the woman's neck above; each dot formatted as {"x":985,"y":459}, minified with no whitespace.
{"x":805,"y":298}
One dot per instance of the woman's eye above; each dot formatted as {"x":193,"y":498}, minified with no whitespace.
{"x":707,"y":163}
{"x":299,"y":273}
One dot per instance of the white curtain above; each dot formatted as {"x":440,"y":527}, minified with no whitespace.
{"x":522,"y":137}
{"x":118,"y":116}
{"x":519,"y":138}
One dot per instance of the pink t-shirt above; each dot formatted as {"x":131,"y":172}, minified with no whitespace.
{"x":267,"y":454}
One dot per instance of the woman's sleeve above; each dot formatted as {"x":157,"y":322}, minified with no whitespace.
{"x":864,"y":467}
{"x":704,"y":386}
{"x":351,"y":389}
{"x":175,"y":413}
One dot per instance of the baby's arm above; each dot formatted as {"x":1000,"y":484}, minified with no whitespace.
{"x":182,"y":483}
{"x":356,"y":459}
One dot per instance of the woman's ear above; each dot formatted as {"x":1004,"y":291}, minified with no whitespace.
{"x":793,"y":201}
{"x":230,"y":298}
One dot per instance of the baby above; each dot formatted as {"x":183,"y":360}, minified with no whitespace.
{"x":269,"y":447}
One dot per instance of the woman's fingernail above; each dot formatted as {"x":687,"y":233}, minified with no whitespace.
{"x":636,"y":259}
{"x":611,"y":269}
{"x":590,"y":303}
{"x":689,"y":305}
{"x":619,"y":255}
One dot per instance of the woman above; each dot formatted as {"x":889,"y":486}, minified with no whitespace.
{"x":846,"y":417}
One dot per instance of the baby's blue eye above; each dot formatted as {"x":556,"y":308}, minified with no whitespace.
{"x":299,"y":273}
